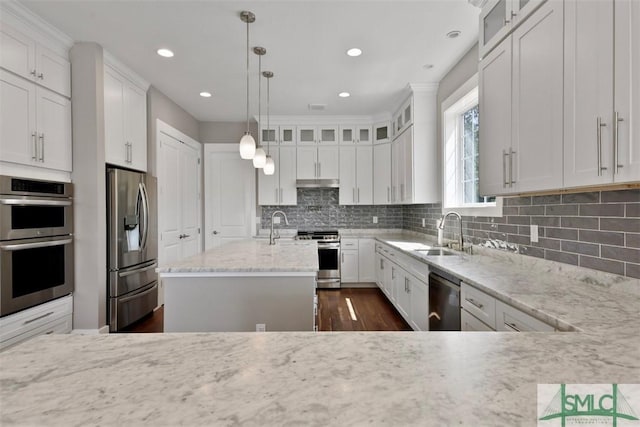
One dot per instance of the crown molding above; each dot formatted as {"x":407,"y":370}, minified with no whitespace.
{"x":15,"y":13}
{"x":123,"y":69}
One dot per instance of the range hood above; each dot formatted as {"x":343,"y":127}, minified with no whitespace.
{"x":317,"y":183}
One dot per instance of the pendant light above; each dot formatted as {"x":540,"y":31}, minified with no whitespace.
{"x":247,"y":143}
{"x":270,"y":166}
{"x":260,"y":157}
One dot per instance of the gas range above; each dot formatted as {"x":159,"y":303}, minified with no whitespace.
{"x":330,"y":236}
{"x":328,"y":256}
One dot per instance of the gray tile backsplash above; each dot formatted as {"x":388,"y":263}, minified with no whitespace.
{"x":599,"y":230}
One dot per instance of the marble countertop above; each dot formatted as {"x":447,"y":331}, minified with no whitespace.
{"x":322,"y":379}
{"x":251,"y":255}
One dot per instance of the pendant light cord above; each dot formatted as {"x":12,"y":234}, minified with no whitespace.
{"x":268,"y":125}
{"x":247,"y":76}
{"x":259,"y":99}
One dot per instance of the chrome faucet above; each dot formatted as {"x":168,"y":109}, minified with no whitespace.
{"x":272,"y":238}
{"x":441,"y":227}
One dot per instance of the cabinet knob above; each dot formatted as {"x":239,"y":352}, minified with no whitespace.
{"x":214,"y":232}
{"x":41,"y":76}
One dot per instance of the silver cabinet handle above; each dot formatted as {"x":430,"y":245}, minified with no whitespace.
{"x":513,"y":14}
{"x":393,"y":273}
{"x":41,"y":157}
{"x":26,"y":322}
{"x":319,"y":169}
{"x":342,"y":255}
{"x":276,"y":190}
{"x":504,"y":168}
{"x":616,"y":140}
{"x":512,"y":326}
{"x":381,"y":264}
{"x":599,"y":126}
{"x":507,"y":21}
{"x":35,"y":144}
{"x":315,"y":169}
{"x":358,"y":194}
{"x":41,"y":76}
{"x":33,"y":72}
{"x":214,"y":232}
{"x":511,"y":180}
{"x":353,"y":194}
{"x":126,"y":152}
{"x":388,"y":194}
{"x":474,"y":303}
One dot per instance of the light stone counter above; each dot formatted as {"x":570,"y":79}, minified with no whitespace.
{"x":321,"y":379}
{"x":251,"y":255}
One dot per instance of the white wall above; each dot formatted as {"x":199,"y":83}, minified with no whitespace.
{"x":225,"y":132}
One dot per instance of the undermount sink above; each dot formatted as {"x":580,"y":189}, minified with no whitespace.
{"x":434,"y":252}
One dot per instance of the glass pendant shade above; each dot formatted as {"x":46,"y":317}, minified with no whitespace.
{"x":247,"y":147}
{"x":269,"y":166}
{"x":260,"y":158}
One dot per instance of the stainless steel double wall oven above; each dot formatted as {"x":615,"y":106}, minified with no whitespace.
{"x":36,"y":242}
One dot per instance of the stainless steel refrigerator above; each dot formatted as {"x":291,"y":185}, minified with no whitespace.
{"x":132,"y":282}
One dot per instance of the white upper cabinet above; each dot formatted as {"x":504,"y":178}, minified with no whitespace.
{"x":382,"y":174}
{"x":328,"y":163}
{"x":318,"y":162}
{"x":280,"y":188}
{"x":279,"y":135}
{"x":125,"y":120}
{"x":602,"y":98}
{"x":328,"y":134}
{"x":499,"y":17}
{"x":355,"y":135}
{"x":307,"y":135}
{"x":521,"y":129}
{"x":318,"y":135}
{"x":381,"y":133}
{"x":22,"y":55}
{"x":36,"y":124}
{"x":356,"y":175}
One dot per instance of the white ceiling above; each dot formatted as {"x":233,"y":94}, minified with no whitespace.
{"x":306,"y":43}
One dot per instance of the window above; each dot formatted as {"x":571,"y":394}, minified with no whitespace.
{"x":461,"y":134}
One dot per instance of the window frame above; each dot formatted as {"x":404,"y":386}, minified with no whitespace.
{"x":449,"y":147}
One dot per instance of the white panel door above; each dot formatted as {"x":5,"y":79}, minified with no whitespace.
{"x":114,"y":130}
{"x":588,"y":92}
{"x":364,"y":174}
{"x":230,"y":195}
{"x":288,"y":191}
{"x":307,"y":162}
{"x":366,"y":260}
{"x":17,"y":52}
{"x":190,"y":196}
{"x":17,"y":119}
{"x":53,"y":70}
{"x":495,"y":121}
{"x":537,"y":101}
{"x":349,"y":267}
{"x":170,"y":211}
{"x":348,"y":184}
{"x":328,"y":162}
{"x":382,"y":174}
{"x":54,"y":129}
{"x":627,"y":90}
{"x":135,"y":125}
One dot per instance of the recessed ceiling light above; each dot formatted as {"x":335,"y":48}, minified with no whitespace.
{"x":453,"y":34}
{"x":165,"y":52}
{"x":354,"y":51}
{"x":205,"y":94}
{"x":344,"y":94}
{"x":427,"y":66}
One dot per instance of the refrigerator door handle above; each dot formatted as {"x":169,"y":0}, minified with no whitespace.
{"x":145,"y":215}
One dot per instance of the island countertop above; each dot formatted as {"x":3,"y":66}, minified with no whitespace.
{"x":251,"y":256}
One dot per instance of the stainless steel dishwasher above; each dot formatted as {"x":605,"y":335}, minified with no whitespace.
{"x":444,"y":301}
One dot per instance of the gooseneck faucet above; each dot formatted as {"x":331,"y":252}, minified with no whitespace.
{"x":441,"y":227}
{"x":272,"y":238}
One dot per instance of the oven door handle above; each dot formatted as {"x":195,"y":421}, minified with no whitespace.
{"x":328,"y":245}
{"x":34,"y":202}
{"x":23,"y":246}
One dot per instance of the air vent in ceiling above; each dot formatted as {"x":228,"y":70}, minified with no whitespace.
{"x":317,"y":107}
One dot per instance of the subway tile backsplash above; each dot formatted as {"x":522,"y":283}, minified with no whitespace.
{"x":598,"y":229}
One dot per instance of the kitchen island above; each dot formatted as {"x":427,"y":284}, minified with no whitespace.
{"x":243,"y":286}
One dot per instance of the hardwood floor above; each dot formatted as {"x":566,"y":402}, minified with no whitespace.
{"x":372,"y":310}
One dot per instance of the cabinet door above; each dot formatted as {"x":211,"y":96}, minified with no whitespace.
{"x":307,"y":162}
{"x":509,"y":319}
{"x":419,"y":293}
{"x":54,"y":129}
{"x":366,"y":260}
{"x":470,"y":323}
{"x":17,"y":52}
{"x":328,"y":162}
{"x":269,"y":136}
{"x":627,"y":90}
{"x":397,"y":170}
{"x":269,"y":185}
{"x":382,"y":174}
{"x":537,"y":101}
{"x":18,"y":119}
{"x":381,"y":132}
{"x":348,"y":184}
{"x":403,"y":297}
{"x":389,"y":277}
{"x":348,"y":135}
{"x":287,"y":166}
{"x":53,"y":70}
{"x":287,"y":135}
{"x":363,"y":135}
{"x":521,"y":9}
{"x":135,"y":120}
{"x":349,"y":266}
{"x":495,"y":20}
{"x":495,"y":120}
{"x":380,"y":270}
{"x":364,"y":175}
{"x":116,"y":149}
{"x":328,"y":134}
{"x":588,"y":89}
{"x":307,"y":135}
{"x":407,"y":172}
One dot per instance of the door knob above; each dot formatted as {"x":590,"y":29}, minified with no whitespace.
{"x":214,"y":232}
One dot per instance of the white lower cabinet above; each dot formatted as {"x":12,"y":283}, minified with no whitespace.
{"x":357,"y":261}
{"x":366,"y":257}
{"x":349,"y":266}
{"x":510,"y":319}
{"x":469,"y":322}
{"x":419,"y":291}
{"x":53,"y":317}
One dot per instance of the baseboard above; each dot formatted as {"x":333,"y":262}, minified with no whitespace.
{"x":102,"y":330}
{"x":358,"y":285}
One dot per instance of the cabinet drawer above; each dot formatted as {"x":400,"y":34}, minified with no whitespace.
{"x":349,"y":243}
{"x":513,"y":320}
{"x":59,"y":326}
{"x":479,"y":304}
{"x":469,"y":322}
{"x":35,"y":317}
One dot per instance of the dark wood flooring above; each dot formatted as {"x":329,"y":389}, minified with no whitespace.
{"x":371,"y":308}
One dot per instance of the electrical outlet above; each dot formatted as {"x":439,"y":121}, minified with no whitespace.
{"x":424,"y":222}
{"x":261,"y":327}
{"x":534,"y":233}
{"x":276,"y":220}
{"x":375,"y":219}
